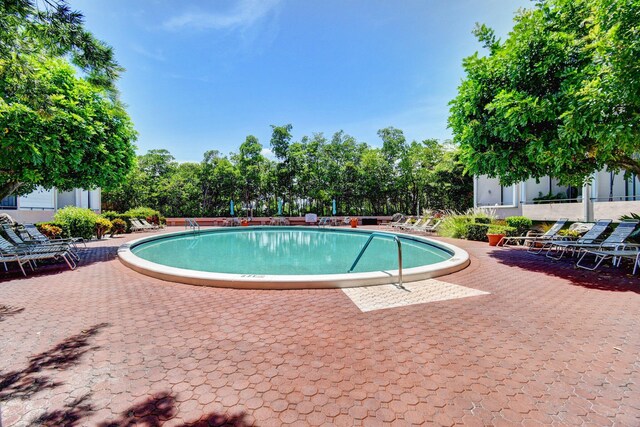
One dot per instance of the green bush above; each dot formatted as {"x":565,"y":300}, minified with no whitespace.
{"x":80,"y":221}
{"x":111,"y":216}
{"x":455,"y":226}
{"x":102,"y":227}
{"x":481,"y":219}
{"x":64,"y":227}
{"x":520,"y":223}
{"x":502,"y":229}
{"x":51,"y":231}
{"x":477,"y":231}
{"x":151,"y":215}
{"x":118,"y":226}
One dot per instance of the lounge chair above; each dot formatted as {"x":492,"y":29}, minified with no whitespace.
{"x":396,"y":219}
{"x":136,"y":225}
{"x":24,"y":255}
{"x":419,"y":225}
{"x":324,"y":221}
{"x":147,"y":224}
{"x":36,"y":235}
{"x":31,"y":244}
{"x":550,"y":234}
{"x":432,"y":228}
{"x":561,"y":247}
{"x":407,"y":222}
{"x":615,"y":241}
{"x":616,"y":254}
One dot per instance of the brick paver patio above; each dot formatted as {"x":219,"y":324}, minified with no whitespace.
{"x":105,"y":346}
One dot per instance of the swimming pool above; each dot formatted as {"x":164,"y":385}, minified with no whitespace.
{"x":289,"y":257}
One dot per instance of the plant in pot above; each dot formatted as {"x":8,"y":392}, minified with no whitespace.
{"x":495,"y":233}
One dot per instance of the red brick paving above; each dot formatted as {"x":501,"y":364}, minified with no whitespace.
{"x":105,"y":346}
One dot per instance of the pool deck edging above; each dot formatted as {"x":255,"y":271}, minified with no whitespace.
{"x":458,"y":261}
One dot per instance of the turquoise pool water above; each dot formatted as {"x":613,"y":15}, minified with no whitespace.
{"x":286,"y":251}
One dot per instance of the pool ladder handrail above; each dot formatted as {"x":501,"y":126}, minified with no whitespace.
{"x":191,"y":223}
{"x":366,"y":245}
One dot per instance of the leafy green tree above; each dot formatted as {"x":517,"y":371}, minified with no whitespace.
{"x":250,"y":163}
{"x":57,"y":129}
{"x":70,"y":135}
{"x":560,"y":96}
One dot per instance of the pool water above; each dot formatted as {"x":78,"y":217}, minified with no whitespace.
{"x":286,"y":251}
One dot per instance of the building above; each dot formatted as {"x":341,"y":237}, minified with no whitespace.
{"x":607,"y":196}
{"x":42,"y":204}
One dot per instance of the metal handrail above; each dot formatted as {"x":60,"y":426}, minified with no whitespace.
{"x":191,"y":223}
{"x":366,"y":245}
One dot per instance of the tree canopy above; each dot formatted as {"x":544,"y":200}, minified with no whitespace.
{"x":58,"y":128}
{"x":560,"y":96}
{"x":306,"y":176}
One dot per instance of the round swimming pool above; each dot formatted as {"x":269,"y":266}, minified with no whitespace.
{"x":289,"y":257}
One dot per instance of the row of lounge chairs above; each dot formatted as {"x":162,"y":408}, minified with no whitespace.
{"x":28,"y":246}
{"x":590,"y":245}
{"x":425,"y":224}
{"x":141,"y":224}
{"x":333,"y":221}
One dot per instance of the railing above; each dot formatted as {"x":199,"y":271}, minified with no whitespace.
{"x":191,"y":223}
{"x":366,"y":245}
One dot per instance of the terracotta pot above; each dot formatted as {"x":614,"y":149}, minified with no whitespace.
{"x":494,"y":238}
{"x":354,"y":222}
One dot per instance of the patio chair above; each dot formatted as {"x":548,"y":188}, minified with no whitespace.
{"x":24,"y":255}
{"x":616,"y":254}
{"x":136,"y":225}
{"x":396,"y":219}
{"x":405,"y":223}
{"x":324,"y":221}
{"x":35,"y":234}
{"x":616,"y":240}
{"x":31,"y":244}
{"x":139,"y":226}
{"x":550,"y":234}
{"x":147,"y":224}
{"x":562,"y":246}
{"x":432,"y":228}
{"x":419,"y":225}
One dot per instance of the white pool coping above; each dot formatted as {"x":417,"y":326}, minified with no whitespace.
{"x":458,"y":261}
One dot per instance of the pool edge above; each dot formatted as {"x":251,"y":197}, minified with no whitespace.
{"x":458,"y":261}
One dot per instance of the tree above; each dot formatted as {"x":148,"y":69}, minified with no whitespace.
{"x":57,"y":129}
{"x":250,"y":162}
{"x":560,"y":96}
{"x":68,"y":135}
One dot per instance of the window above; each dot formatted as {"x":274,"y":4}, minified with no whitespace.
{"x":9,"y":202}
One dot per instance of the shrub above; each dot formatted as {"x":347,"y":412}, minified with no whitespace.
{"x":477,"y":231}
{"x":80,"y":221}
{"x":102,"y":226}
{"x":142,"y":212}
{"x":64,"y":229}
{"x":49,"y":230}
{"x":111,"y":216}
{"x":502,"y":229}
{"x":118,"y":226}
{"x":481,"y":219}
{"x":455,"y":226}
{"x":520,"y":223}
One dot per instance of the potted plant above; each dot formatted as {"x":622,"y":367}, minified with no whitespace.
{"x":495,"y":233}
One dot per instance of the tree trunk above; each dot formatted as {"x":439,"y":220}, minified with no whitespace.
{"x":9,"y":188}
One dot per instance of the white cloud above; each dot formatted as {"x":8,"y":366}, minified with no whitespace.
{"x":243,"y":15}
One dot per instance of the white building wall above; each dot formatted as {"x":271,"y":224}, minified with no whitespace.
{"x":40,"y":199}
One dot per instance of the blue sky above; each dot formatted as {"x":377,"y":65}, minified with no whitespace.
{"x":203,"y":75}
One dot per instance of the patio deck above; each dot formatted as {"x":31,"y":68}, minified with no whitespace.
{"x":541,"y":344}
